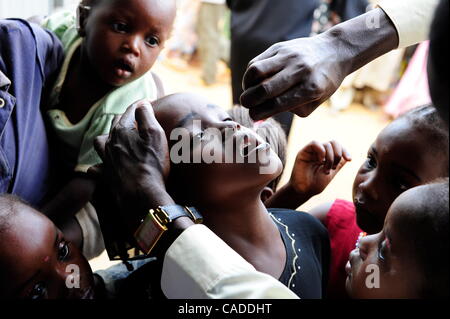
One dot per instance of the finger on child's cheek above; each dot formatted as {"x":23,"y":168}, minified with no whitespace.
{"x":128,"y":118}
{"x":146,"y":121}
{"x":146,"y":104}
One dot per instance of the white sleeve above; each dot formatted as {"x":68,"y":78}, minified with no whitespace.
{"x":93,"y":244}
{"x":199,"y":265}
{"x":412,"y":18}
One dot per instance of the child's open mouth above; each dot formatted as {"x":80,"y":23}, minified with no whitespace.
{"x":123,"y":68}
{"x":249,"y":147}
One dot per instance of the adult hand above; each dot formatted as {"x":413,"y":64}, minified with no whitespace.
{"x":136,"y":161}
{"x":299,"y":75}
{"x":296,"y":76}
{"x":316,"y":165}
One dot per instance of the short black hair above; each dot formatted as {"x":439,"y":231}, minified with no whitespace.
{"x":8,"y":204}
{"x":427,"y":120}
{"x":438,"y":62}
{"x":430,"y":239}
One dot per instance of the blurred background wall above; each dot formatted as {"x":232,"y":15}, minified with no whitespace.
{"x":27,"y":8}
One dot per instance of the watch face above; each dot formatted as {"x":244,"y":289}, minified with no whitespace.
{"x":148,"y":234}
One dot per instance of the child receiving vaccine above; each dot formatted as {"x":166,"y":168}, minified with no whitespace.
{"x":110,"y":48}
{"x":411,"y":151}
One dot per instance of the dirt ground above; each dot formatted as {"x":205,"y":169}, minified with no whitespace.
{"x":355,"y":128}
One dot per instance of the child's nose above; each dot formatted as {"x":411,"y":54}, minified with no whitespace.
{"x":364,"y":245}
{"x":368,"y":187}
{"x":131,"y":45}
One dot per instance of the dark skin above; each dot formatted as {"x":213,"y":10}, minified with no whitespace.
{"x":219,"y":201}
{"x":36,"y":259}
{"x":122,"y":40}
{"x":38,"y":253}
{"x":137,"y":172}
{"x":301,"y":74}
{"x":401,"y":276}
{"x":231,"y":201}
{"x":315,"y":167}
{"x":39,"y":270}
{"x":399,"y":159}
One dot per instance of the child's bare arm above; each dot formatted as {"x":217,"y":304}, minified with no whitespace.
{"x":315,"y":167}
{"x":71,"y":198}
{"x":321,"y":211}
{"x":69,"y":201}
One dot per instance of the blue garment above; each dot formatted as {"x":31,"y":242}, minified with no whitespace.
{"x":29,"y":57}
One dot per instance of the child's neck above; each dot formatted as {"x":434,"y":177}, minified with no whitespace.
{"x":82,"y":87}
{"x":246,"y":227}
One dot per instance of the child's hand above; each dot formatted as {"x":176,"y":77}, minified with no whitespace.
{"x":316,"y":165}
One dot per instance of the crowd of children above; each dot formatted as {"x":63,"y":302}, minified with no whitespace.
{"x":397,"y":222}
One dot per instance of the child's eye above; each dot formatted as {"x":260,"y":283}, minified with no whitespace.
{"x":120,"y":27}
{"x":152,"y":42}
{"x":63,"y":251}
{"x":39,"y":291}
{"x":370,"y":162}
{"x":382,"y":250}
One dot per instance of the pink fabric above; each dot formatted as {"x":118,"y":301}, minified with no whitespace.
{"x":412,"y":91}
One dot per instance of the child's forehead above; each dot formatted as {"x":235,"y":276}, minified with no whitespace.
{"x":399,"y":127}
{"x":400,"y":137}
{"x":407,"y":208}
{"x":29,"y":233}
{"x":184,"y":108}
{"x":156,"y":8}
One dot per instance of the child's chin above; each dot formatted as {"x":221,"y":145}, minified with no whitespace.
{"x":348,"y":286}
{"x":118,"y":83}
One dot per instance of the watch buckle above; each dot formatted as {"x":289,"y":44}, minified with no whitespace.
{"x":161,"y":216}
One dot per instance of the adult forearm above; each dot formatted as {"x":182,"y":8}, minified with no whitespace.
{"x":200,"y":265}
{"x":363,"y":39}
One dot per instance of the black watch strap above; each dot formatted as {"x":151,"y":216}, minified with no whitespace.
{"x":177,"y":211}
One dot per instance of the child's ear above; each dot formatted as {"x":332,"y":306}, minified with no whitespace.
{"x":81,"y":19}
{"x":266,"y":194}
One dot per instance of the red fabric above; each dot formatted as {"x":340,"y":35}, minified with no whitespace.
{"x":343,"y":232}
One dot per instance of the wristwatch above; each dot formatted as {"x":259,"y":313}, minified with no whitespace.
{"x":157,"y":221}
